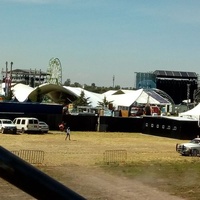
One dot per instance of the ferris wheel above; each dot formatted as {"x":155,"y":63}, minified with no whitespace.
{"x":54,"y":71}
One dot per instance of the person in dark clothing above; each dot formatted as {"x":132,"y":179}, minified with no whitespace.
{"x":67,"y":133}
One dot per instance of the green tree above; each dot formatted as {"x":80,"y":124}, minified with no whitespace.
{"x":67,"y":82}
{"x":105,"y":103}
{"x":93,"y":85}
{"x":76,"y":84}
{"x":81,"y":100}
{"x":9,"y":96}
{"x":117,"y":87}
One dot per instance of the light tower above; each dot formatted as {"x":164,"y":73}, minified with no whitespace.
{"x":188,"y":95}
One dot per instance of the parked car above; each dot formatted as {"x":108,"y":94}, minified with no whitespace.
{"x":27,"y":124}
{"x":43,"y":126}
{"x":191,"y":148}
{"x":7,"y":126}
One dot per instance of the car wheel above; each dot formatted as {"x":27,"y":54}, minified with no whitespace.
{"x":23,"y":130}
{"x":176,"y":147}
{"x":195,"y":152}
{"x":2,"y":130}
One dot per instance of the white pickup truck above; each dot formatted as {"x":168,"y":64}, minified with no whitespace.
{"x":191,"y":148}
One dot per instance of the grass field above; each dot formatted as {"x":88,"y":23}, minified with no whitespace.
{"x":150,"y":159}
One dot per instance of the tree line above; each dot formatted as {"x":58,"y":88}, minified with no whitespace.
{"x":94,"y":88}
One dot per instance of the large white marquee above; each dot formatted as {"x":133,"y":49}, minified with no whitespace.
{"x":23,"y":93}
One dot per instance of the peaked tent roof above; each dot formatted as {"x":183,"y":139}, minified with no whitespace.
{"x":125,"y":99}
{"x":94,"y":98}
{"x":193,"y":113}
{"x":129,"y":97}
{"x":146,"y":98}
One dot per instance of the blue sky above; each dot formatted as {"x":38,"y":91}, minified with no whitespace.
{"x":96,"y":39}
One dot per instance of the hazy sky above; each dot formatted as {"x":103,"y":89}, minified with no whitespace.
{"x":96,"y":39}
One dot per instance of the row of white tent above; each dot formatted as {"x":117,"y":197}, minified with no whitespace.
{"x":23,"y":92}
{"x":193,"y":113}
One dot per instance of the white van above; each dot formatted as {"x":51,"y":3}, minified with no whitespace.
{"x":27,"y":124}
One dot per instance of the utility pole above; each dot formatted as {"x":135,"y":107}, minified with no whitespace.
{"x":113,"y":81}
{"x":11,"y":66}
{"x":8,"y":80}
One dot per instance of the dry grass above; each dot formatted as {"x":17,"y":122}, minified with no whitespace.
{"x":87,"y":149}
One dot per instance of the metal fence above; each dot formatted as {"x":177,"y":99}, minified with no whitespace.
{"x":31,"y":156}
{"x":115,"y":156}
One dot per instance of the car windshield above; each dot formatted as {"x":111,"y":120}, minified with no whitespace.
{"x":196,"y":141}
{"x":7,"y":122}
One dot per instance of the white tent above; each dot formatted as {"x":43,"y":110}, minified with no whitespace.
{"x":126,"y":99}
{"x":21,"y":91}
{"x":194,"y":113}
{"x":144,"y":98}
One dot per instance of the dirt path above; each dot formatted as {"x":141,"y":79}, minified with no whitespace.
{"x":93,"y":183}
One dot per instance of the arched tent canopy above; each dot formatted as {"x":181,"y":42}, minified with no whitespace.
{"x":54,"y":92}
{"x":69,"y":94}
{"x":24,"y":93}
{"x":194,"y":113}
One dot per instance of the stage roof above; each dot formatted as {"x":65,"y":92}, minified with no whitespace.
{"x":175,"y":74}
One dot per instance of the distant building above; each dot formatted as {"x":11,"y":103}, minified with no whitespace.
{"x":178,"y":85}
{"x":29,"y":77}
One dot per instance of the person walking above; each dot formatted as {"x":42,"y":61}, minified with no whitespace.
{"x":67,"y":133}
